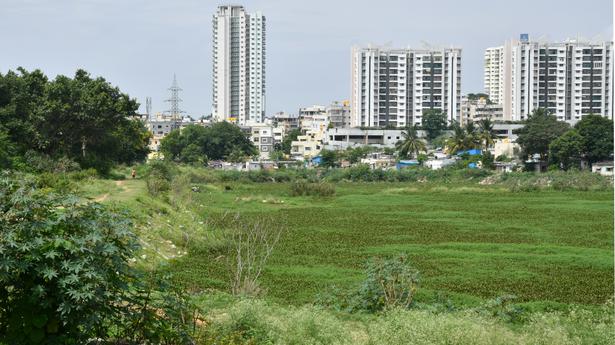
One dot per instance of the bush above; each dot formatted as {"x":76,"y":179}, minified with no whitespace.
{"x":39,"y":162}
{"x":157,"y":185}
{"x":557,"y":180}
{"x":65,"y":276}
{"x":389,"y":283}
{"x":60,"y":183}
{"x":304,"y":188}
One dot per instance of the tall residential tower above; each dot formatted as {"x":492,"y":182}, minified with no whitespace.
{"x":238,"y":65}
{"x":569,"y":79}
{"x":395,"y":87}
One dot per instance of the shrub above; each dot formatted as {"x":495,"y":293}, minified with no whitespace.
{"x":389,"y":283}
{"x":558,"y":180}
{"x":304,"y":188}
{"x":65,"y":276}
{"x":58,"y":182}
{"x":157,"y":185}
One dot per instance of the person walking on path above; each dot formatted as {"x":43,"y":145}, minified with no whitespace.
{"x":133,"y":173}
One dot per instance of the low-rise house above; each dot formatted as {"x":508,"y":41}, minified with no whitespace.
{"x":604,"y":168}
{"x":265,"y":137}
{"x":435,"y":164}
{"x":379,"y":160}
{"x":505,"y":167}
{"x":505,"y":147}
{"x":343,"y":138}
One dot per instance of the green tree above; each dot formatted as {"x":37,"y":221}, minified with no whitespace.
{"x":410,"y":143}
{"x":486,"y":133}
{"x":196,"y":144}
{"x":329,"y":159}
{"x":83,"y":119}
{"x":237,"y":156}
{"x":433,"y":122}
{"x":539,"y":130}
{"x":277,"y":155}
{"x":565,"y":151}
{"x":597,"y":137}
{"x":288,"y":139}
{"x":65,"y":275}
{"x":457,"y":142}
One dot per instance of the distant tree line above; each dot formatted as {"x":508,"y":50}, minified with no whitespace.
{"x":83,"y":119}
{"x":197,"y":144}
{"x":559,"y":144}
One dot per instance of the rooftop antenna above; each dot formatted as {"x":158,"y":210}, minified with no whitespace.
{"x":175,"y":112}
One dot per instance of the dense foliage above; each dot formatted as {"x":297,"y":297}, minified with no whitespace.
{"x":596,"y":137}
{"x":65,"y":276}
{"x":288,"y":140}
{"x":86,"y":120}
{"x":540,"y":129}
{"x":196,"y":144}
{"x":434,"y":123}
{"x":566,"y":150}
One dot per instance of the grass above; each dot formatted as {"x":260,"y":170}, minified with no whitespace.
{"x":469,"y":242}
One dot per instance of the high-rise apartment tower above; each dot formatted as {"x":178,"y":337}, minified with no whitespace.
{"x":238,"y":65}
{"x":395,"y":87}
{"x":569,"y":79}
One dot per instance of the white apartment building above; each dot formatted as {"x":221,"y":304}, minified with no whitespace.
{"x":494,"y":74}
{"x":473,"y":110}
{"x":238,"y":65}
{"x":314,"y":124}
{"x":569,"y":79}
{"x":339,"y":114}
{"x":265,"y":137}
{"x":394,"y":87}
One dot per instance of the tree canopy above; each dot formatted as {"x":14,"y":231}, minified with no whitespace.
{"x":84,"y":119}
{"x":434,"y":123}
{"x":540,"y":129}
{"x":288,"y":139}
{"x":596,"y":137}
{"x":565,"y":151}
{"x":196,"y":144}
{"x":410,"y":144}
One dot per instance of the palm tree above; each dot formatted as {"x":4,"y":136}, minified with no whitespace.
{"x":472,"y":138}
{"x":410,"y":143}
{"x":457,"y":142}
{"x":487,"y":133}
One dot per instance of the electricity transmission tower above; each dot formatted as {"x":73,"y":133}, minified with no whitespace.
{"x":175,"y":112}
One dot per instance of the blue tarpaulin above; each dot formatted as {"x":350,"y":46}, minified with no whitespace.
{"x":407,"y":163}
{"x":472,"y":152}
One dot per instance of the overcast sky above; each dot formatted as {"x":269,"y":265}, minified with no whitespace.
{"x":139,"y":44}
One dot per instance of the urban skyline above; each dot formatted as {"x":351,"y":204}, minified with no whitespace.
{"x":140,"y":53}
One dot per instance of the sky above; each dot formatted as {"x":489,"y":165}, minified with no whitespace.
{"x":138,"y":45}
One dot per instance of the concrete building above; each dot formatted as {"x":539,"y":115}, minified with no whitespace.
{"x":314,"y":123}
{"x":343,"y":138}
{"x":339,"y":114}
{"x":476,"y":109}
{"x":238,"y":65}
{"x":569,"y":79}
{"x":265,"y":137}
{"x":603,"y":168}
{"x":394,"y":87}
{"x":288,"y":121}
{"x":160,"y":125}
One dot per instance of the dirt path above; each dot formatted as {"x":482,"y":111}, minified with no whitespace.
{"x":121,"y":184}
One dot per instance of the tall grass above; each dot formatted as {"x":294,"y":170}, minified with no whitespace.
{"x":304,"y":188}
{"x":556,"y":180}
{"x":255,"y":322}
